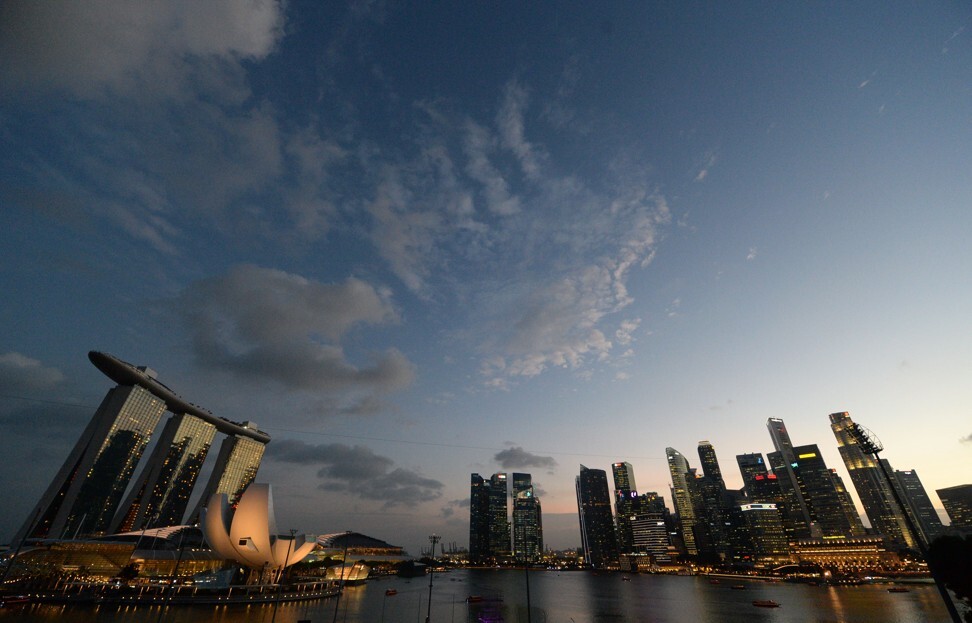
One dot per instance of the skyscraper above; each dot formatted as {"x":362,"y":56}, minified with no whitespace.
{"x":872,"y":487}
{"x":682,"y":493}
{"x":527,"y":520}
{"x":478,"y":519}
{"x":717,"y":510}
{"x":625,"y":500}
{"x":88,"y":488}
{"x":958,"y":504}
{"x":596,"y":524}
{"x":236,"y":467}
{"x":819,"y":492}
{"x":161,"y":494}
{"x":85,"y":495}
{"x":782,"y":462}
{"x":489,"y":524}
{"x":919,"y":505}
{"x":499,"y":522}
{"x":649,"y":527}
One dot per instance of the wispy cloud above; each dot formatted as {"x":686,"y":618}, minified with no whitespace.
{"x":966,"y":439}
{"x":752,"y":254}
{"x":709,"y":161}
{"x":358,"y":471}
{"x":516,"y":457}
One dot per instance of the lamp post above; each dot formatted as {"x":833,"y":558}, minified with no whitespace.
{"x":337,"y":602}
{"x":276,"y":602}
{"x":432,"y":539}
{"x":871,"y":445}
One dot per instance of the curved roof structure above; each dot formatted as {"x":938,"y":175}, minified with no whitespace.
{"x":355,"y":540}
{"x":248,"y":535}
{"x":125,"y":373}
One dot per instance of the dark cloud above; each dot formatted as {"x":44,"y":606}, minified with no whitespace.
{"x":966,"y":439}
{"x":268,"y":324}
{"x":450,"y":508}
{"x":517,"y":457}
{"x":21,"y":375}
{"x":357,"y":470}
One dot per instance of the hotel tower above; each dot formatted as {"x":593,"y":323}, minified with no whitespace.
{"x":87,"y":496}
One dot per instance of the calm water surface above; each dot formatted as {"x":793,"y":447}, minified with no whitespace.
{"x":559,"y":597}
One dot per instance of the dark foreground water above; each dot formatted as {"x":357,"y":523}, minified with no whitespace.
{"x":559,"y":597}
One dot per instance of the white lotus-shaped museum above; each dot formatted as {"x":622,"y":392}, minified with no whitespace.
{"x":248,"y":535}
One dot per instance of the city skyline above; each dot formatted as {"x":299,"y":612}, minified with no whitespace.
{"x":414,"y":243}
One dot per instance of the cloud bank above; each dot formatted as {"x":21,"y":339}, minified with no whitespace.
{"x":358,"y":471}
{"x":259,"y":323}
{"x":516,"y":457}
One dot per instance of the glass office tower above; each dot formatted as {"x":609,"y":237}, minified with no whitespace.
{"x":596,"y":524}
{"x":872,"y":487}
{"x":88,"y":488}
{"x":682,"y":497}
{"x":160,"y":495}
{"x":527,"y":521}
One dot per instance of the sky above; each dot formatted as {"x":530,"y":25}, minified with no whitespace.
{"x":414,"y":242}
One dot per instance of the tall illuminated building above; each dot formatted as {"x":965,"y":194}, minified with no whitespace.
{"x":236,"y":467}
{"x":782,"y":463}
{"x":88,"y":488}
{"x":872,"y":487}
{"x":625,"y":501}
{"x":848,"y":506}
{"x":85,"y":497}
{"x":819,"y":492}
{"x":596,"y":524}
{"x":958,"y":504}
{"x":717,"y":510}
{"x":478,"y":519}
{"x":527,"y":520}
{"x":683,"y":484}
{"x":919,"y":505}
{"x":160,"y":495}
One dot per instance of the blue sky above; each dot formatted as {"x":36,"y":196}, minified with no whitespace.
{"x":418,"y":242}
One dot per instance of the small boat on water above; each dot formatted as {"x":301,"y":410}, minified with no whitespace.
{"x":14,"y":600}
{"x":738,"y":587}
{"x":390,"y":592}
{"x":713,"y":581}
{"x":625,"y":579}
{"x":898,"y":589}
{"x":765,"y":603}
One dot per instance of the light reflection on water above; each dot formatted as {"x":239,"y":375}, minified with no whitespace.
{"x":558,"y":597}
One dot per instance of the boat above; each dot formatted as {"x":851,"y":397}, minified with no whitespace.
{"x":738,"y":587}
{"x":713,"y":581}
{"x":474,"y":599}
{"x":765,"y":603}
{"x":14,"y":600}
{"x":625,"y":579}
{"x":390,"y":592}
{"x":898,"y":589}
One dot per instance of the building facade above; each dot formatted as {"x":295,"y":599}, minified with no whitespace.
{"x":683,"y":497}
{"x":527,"y":520}
{"x":872,"y":487}
{"x":596,"y":523}
{"x":85,"y":497}
{"x":958,"y":504}
{"x":918,"y":505}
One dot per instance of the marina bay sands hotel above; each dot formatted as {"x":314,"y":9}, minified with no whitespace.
{"x":88,"y":494}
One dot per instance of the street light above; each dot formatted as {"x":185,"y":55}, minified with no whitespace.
{"x":869,"y":443}
{"x":432,"y":539}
